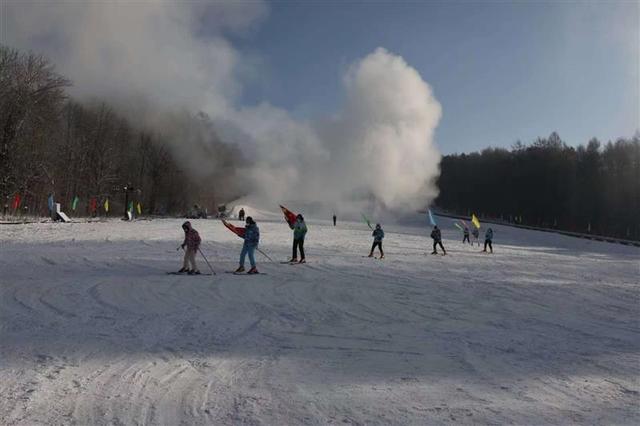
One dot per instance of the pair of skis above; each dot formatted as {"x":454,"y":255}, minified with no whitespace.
{"x":244,"y":273}
{"x":288,"y":262}
{"x":206,"y":274}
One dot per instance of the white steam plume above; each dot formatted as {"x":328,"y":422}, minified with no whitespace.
{"x":383,"y":141}
{"x":159,"y":59}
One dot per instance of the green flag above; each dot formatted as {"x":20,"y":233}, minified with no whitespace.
{"x":130,"y":208}
{"x":74,"y":204}
{"x":367,"y":221}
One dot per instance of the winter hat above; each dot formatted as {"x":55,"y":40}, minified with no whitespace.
{"x":377,"y":225}
{"x":186,"y":225}
{"x":300,"y":217}
{"x":249,"y":219}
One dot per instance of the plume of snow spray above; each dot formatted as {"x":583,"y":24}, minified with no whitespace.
{"x":163,"y":63}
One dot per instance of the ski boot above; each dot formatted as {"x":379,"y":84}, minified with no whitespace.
{"x":293,"y":260}
{"x":253,"y":270}
{"x":382,"y":256}
{"x":434,"y":252}
{"x":182,"y":270}
{"x":302,"y":261}
{"x":240,"y":269}
{"x":370,"y":255}
{"x":195,"y":272}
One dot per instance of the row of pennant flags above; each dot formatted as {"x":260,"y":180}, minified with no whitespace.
{"x":432,"y":221}
{"x":461,"y":225}
{"x":93,"y":204}
{"x":289,"y":216}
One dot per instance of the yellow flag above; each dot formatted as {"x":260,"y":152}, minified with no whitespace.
{"x":106,"y":205}
{"x":139,"y":208}
{"x":475,"y":221}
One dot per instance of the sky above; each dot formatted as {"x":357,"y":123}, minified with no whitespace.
{"x":502,"y":71}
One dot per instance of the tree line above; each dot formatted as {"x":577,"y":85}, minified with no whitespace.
{"x":53,"y":144}
{"x":589,"y":189}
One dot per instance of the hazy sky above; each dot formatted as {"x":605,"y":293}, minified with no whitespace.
{"x":503,"y":71}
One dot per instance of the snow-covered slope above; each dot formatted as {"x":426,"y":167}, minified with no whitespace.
{"x":92,"y":330}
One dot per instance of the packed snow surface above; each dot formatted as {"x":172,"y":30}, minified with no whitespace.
{"x":93,"y":330}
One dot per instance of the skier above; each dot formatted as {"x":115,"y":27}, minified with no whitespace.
{"x":437,"y":239}
{"x":299,"y":232}
{"x":476,"y":235}
{"x":241,"y":214}
{"x":251,"y":240}
{"x":378,"y":235}
{"x":192,"y":243}
{"x":488,"y":236}
{"x":334,"y":219}
{"x":466,"y":235}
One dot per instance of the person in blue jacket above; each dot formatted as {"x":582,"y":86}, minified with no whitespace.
{"x":378,"y":236}
{"x":488,"y":237}
{"x":251,"y":240}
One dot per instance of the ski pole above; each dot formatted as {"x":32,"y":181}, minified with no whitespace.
{"x":205,"y":259}
{"x":264,"y":254}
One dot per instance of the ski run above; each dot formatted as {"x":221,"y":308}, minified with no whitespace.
{"x":93,"y":331}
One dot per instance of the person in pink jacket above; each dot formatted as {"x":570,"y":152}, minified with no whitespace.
{"x":191,"y":245}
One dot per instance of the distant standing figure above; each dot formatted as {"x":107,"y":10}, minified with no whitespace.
{"x":476,"y":236}
{"x":488,"y":237}
{"x":466,"y":235}
{"x":378,"y":235}
{"x":192,"y":243}
{"x":299,"y":232}
{"x":437,"y":240}
{"x":251,"y":240}
{"x":51,"y":204}
{"x":334,"y":220}
{"x":241,"y":214}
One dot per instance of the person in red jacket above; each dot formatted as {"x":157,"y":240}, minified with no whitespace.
{"x":192,"y":243}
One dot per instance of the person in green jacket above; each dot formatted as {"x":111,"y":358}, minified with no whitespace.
{"x":299,"y":232}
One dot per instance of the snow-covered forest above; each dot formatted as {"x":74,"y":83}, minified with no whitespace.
{"x":590,"y":189}
{"x":53,"y":144}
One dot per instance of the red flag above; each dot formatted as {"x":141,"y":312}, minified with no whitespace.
{"x":289,"y":216}
{"x":93,"y":205}
{"x":16,"y":202}
{"x":236,"y":230}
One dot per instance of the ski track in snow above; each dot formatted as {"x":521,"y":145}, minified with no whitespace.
{"x":92,"y":330}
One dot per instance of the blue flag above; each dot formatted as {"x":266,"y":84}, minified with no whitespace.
{"x":431,"y":219}
{"x":50,"y":203}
